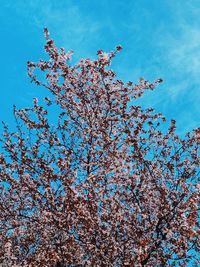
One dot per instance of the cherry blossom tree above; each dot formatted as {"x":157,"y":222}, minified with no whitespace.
{"x":88,"y":178}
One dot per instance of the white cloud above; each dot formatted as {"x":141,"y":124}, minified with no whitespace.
{"x":183,"y":52}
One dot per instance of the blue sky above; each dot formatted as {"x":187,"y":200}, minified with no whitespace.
{"x":160,"y":38}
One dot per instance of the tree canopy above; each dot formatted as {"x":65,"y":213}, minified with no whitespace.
{"x":104,"y":184}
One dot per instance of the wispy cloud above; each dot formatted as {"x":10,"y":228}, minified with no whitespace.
{"x":72,"y":27}
{"x":178,"y":46}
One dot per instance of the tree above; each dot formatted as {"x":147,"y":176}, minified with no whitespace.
{"x":102,"y":186}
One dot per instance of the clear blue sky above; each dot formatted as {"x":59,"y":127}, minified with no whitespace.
{"x":161,"y":38}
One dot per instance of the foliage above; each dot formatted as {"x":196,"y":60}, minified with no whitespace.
{"x":103,"y":185}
